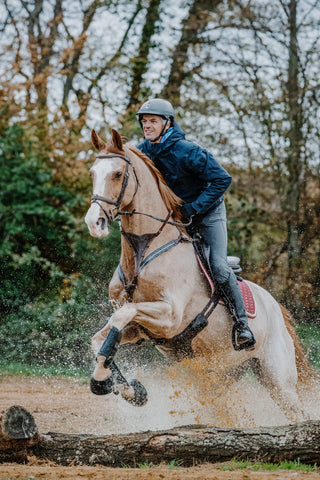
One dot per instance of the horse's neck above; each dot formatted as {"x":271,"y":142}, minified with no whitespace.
{"x":148,"y":201}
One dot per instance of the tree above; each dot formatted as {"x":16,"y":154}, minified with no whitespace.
{"x":37,"y":226}
{"x":194,"y":24}
{"x":265,"y":93}
{"x":140,"y":61}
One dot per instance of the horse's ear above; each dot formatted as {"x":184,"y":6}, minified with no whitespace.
{"x":117,"y":140}
{"x":96,"y":140}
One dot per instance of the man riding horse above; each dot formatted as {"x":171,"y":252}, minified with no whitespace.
{"x":200,"y":181}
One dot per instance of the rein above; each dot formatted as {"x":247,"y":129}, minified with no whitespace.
{"x":175,"y":224}
{"x":138,"y":243}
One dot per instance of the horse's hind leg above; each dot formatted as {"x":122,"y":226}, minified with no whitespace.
{"x":280,"y":381}
{"x":237,"y":372}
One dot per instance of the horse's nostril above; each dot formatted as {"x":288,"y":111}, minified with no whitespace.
{"x":101,"y":222}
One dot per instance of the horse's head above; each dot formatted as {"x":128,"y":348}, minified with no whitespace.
{"x":114,"y":183}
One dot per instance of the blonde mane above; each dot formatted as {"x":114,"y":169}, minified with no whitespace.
{"x":171,"y":200}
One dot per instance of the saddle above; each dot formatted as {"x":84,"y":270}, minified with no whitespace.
{"x":202,"y":252}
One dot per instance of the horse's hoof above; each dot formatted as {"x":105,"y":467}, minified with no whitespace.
{"x":140,"y":394}
{"x":101,"y":387}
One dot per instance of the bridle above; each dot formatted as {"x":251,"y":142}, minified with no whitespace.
{"x":109,"y":215}
{"x":99,"y":198}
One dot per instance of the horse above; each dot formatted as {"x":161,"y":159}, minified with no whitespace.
{"x":158,"y":296}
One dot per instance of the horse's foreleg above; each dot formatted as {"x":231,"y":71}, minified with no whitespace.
{"x":130,"y":334}
{"x":133,"y":391}
{"x":107,"y":377}
{"x":156,"y":316}
{"x":99,"y":337}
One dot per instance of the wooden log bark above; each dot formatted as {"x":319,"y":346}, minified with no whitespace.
{"x":189,"y":444}
{"x":18,"y":433}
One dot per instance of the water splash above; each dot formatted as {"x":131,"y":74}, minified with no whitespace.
{"x":183,"y":394}
{"x":192,"y":393}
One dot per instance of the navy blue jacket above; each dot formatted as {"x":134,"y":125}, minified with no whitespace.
{"x":189,"y":170}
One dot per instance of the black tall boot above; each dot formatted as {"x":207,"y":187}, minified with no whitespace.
{"x":231,"y":293}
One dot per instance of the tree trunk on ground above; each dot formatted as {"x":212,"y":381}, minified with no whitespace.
{"x":18,"y":433}
{"x":189,"y":444}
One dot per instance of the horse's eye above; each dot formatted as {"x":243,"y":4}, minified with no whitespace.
{"x":118,"y":175}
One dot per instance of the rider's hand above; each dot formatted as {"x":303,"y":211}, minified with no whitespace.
{"x":187,"y":210}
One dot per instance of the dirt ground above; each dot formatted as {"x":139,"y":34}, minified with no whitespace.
{"x":202,"y":472}
{"x":67,"y":405}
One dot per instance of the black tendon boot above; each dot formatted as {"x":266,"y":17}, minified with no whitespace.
{"x":242,"y":336}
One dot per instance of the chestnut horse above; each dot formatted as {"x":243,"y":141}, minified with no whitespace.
{"x":158,"y":295}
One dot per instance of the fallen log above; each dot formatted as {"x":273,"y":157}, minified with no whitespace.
{"x":18,"y":433}
{"x":190,"y":445}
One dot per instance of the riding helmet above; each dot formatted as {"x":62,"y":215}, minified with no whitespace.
{"x":157,"y":106}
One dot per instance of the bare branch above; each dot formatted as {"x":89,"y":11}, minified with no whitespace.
{"x":285,"y":7}
{"x":72,"y":60}
{"x":312,"y":7}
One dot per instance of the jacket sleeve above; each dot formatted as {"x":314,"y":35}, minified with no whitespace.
{"x":215,"y":178}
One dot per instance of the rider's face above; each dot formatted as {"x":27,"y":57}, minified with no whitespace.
{"x":152,"y":126}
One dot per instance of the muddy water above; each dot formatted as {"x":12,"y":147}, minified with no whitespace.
{"x":180,"y":395}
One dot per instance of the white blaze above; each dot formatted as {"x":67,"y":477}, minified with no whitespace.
{"x":97,"y":224}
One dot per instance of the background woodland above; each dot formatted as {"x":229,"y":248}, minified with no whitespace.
{"x":243,"y":77}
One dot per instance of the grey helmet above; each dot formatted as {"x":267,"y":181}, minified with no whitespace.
{"x":157,"y":106}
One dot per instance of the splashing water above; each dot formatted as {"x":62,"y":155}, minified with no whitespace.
{"x":182,"y":394}
{"x":190,"y":393}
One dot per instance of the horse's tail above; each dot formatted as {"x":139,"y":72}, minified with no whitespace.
{"x":304,"y":368}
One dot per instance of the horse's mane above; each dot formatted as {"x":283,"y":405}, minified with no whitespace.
{"x":171,"y":200}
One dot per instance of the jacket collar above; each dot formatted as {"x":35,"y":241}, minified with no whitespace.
{"x":173,"y":135}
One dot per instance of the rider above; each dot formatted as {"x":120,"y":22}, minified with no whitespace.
{"x":200,"y":181}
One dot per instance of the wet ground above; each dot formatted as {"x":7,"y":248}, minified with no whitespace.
{"x":66,"y":405}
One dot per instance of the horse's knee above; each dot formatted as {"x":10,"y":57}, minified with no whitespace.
{"x":97,"y":340}
{"x":123,"y":316}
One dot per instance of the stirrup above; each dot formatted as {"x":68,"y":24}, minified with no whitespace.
{"x":249,"y":345}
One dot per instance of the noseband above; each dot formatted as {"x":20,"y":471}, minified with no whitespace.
{"x":98,"y":198}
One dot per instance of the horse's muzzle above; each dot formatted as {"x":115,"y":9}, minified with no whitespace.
{"x":97,"y":224}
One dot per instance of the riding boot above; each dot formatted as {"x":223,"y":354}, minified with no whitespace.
{"x":232,"y":295}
